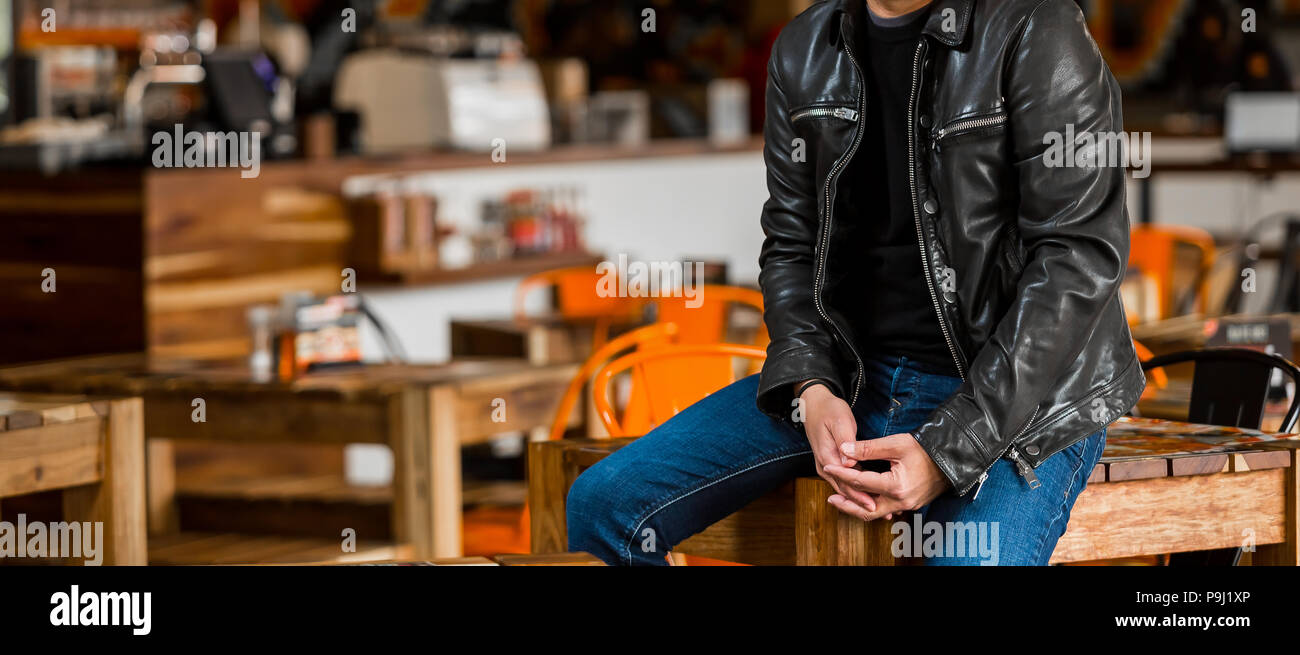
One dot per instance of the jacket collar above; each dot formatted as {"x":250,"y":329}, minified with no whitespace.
{"x":934,"y":25}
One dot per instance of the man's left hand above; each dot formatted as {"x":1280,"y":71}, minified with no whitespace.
{"x":911,"y":482}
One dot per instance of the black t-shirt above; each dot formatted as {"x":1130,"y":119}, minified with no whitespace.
{"x":897,"y":315}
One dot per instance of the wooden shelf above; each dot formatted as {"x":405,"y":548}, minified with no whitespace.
{"x":519,"y":267}
{"x":332,"y":172}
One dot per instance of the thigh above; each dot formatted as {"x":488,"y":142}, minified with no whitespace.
{"x":1010,"y":524}
{"x":898,"y":397}
{"x":699,"y":467}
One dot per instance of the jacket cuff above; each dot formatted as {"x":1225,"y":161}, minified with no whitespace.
{"x":951,"y":438}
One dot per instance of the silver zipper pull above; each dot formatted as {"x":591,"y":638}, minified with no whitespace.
{"x":1026,"y":471}
{"x":979,"y":486}
{"x":846,"y":114}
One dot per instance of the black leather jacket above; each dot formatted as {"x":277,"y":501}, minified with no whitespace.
{"x":1024,"y":260}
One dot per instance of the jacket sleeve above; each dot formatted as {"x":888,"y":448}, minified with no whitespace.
{"x":801,"y":347}
{"x":1075,"y":231}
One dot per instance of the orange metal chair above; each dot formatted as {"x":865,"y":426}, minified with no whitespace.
{"x":1155,"y":252}
{"x":706,"y":323}
{"x":665,"y":397}
{"x":649,"y":336}
{"x":659,"y":334}
{"x":576,"y":297}
{"x":669,"y":396}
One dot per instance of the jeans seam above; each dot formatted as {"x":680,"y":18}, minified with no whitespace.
{"x":1042,"y":537}
{"x":628,"y":548}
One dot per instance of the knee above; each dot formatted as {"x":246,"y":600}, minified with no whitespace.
{"x":590,"y":503}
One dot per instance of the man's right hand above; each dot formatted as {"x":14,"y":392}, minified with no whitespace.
{"x":829,"y":422}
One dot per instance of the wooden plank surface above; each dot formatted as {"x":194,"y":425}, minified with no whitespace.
{"x":1287,"y":551}
{"x":549,"y":477}
{"x":760,"y":534}
{"x":190,"y":548}
{"x":1175,"y":514}
{"x":138,"y":374}
{"x":58,"y":456}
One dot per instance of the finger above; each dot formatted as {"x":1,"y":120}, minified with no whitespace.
{"x":843,"y":431}
{"x":868,"y":481}
{"x":875,"y":449}
{"x":855,"y":496}
{"x":848,"y":507}
{"x":886,"y":508}
{"x":826,"y":455}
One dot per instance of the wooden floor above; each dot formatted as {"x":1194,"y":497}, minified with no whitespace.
{"x":199,"y":548}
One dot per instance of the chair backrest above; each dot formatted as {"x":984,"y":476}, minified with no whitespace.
{"x":659,"y":334}
{"x":1158,"y":251}
{"x":1230,"y":385}
{"x":704,"y":318}
{"x":576,"y":294}
{"x":666,"y":397}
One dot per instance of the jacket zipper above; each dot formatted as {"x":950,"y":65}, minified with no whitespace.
{"x":969,"y":125}
{"x":1026,"y":471}
{"x":826,"y":229}
{"x":916,"y":207}
{"x":843,"y":113}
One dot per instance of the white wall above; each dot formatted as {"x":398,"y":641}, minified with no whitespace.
{"x":654,"y":209}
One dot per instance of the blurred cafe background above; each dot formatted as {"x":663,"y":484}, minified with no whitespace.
{"x":435,"y":185}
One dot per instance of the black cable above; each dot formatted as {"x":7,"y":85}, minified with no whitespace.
{"x":392,"y":345}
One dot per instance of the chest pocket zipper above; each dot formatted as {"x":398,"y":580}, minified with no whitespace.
{"x":841,"y":113}
{"x":969,"y":125}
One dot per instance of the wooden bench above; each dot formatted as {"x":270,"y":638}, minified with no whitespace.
{"x":1162,"y":487}
{"x":92,"y":450}
{"x":425,"y":414}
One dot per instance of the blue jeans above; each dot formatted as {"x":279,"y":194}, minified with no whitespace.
{"x":722,"y":453}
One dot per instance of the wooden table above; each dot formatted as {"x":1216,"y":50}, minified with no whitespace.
{"x":1161,"y":487}
{"x":90,"y":448}
{"x":540,"y":340}
{"x":424,"y":413}
{"x":1190,"y":332}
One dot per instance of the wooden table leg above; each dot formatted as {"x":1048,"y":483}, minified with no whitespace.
{"x":444,"y":466}
{"x":117,"y":503}
{"x":1286,"y":553}
{"x":825,"y":536}
{"x":408,"y":421}
{"x":160,"y":471}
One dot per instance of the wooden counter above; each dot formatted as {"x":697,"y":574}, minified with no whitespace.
{"x":168,"y":260}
